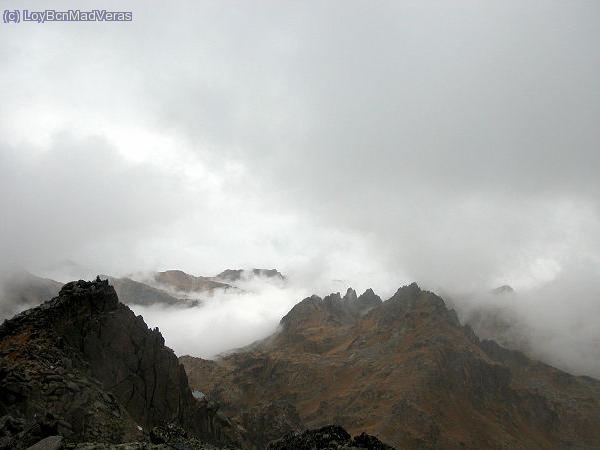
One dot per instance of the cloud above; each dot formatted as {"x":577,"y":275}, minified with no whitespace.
{"x":551,"y":322}
{"x":369,"y":143}
{"x":74,"y":193}
{"x":225,"y":321}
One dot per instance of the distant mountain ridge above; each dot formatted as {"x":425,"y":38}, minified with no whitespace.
{"x":184,"y":282}
{"x":133,"y":292}
{"x":233,"y":275}
{"x":20,"y":290}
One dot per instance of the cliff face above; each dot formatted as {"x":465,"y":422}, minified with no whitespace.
{"x":407,"y":372}
{"x":84,"y":366}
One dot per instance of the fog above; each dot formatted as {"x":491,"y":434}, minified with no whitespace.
{"x":344,"y":143}
{"x":553,"y":323}
{"x":225,"y":321}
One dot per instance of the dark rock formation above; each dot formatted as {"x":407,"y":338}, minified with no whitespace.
{"x":330,"y":437}
{"x":83,"y":366}
{"x":364,"y":303}
{"x":350,"y":296}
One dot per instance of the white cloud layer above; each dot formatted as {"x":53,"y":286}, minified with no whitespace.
{"x":373,"y":143}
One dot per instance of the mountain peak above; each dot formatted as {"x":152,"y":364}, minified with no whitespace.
{"x":367,"y":301}
{"x":409,"y":289}
{"x":333,"y":298}
{"x":425,"y":380}
{"x":505,"y":289}
{"x":411,"y":300}
{"x":77,"y":298}
{"x":350,"y":295}
{"x":99,"y":356}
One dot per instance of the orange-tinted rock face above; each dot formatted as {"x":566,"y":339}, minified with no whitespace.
{"x":406,"y":371}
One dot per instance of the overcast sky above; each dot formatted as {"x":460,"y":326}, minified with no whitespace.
{"x":452,"y":143}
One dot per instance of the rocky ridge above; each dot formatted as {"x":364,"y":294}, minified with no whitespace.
{"x":83,"y":366}
{"x":133,"y":292}
{"x":407,"y":371}
{"x":21,"y":290}
{"x":233,"y":275}
{"x":180,"y":281}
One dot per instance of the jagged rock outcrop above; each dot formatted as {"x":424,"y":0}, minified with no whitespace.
{"x":363,"y":303}
{"x":83,"y":366}
{"x":333,"y":308}
{"x":331,"y":437}
{"x":408,"y":372}
{"x":233,"y":275}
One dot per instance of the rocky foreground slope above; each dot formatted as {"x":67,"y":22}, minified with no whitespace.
{"x":84,"y":367}
{"x":405,"y":370}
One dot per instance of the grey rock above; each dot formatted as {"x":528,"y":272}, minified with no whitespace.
{"x":49,"y":443}
{"x":121,"y":375}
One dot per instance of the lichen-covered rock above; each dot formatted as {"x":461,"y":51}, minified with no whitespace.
{"x":49,"y":443}
{"x":268,"y":421}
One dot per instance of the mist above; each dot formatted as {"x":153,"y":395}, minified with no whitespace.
{"x":344,"y":143}
{"x":225,"y":321}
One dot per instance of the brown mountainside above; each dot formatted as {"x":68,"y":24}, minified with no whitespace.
{"x":404,"y":370}
{"x":183,"y":282}
{"x":133,"y":292}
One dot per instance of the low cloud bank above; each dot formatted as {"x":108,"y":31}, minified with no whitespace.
{"x":226,"y":320}
{"x":553,"y":323}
